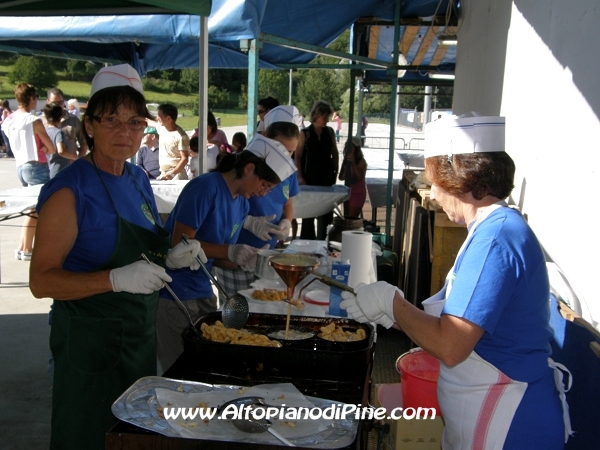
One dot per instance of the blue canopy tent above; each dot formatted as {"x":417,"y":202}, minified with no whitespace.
{"x":247,"y":34}
{"x":171,"y":41}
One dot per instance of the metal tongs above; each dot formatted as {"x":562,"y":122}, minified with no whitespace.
{"x":179,"y":302}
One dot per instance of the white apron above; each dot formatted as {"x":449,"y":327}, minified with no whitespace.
{"x":477,"y":400}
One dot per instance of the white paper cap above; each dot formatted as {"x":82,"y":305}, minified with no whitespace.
{"x":120,"y":75}
{"x":453,"y":135}
{"x":275,"y":154}
{"x":284,"y":113}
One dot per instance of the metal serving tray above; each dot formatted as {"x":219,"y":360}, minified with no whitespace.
{"x":139,"y":406}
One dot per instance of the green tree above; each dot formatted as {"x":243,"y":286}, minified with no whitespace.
{"x":316,"y":85}
{"x":273,"y":83}
{"x":377,"y":100}
{"x":34,"y":70}
{"x":190,"y":80}
{"x":411,"y":97}
{"x":80,"y":70}
{"x":218,"y":98}
{"x":243,"y":98}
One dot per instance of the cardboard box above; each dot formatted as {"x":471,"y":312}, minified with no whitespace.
{"x":414,"y":434}
{"x":340,"y":273}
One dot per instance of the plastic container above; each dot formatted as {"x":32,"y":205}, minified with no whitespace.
{"x":419,"y":372}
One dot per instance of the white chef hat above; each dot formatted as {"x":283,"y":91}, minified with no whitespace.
{"x":119,"y":75}
{"x":283,"y":113}
{"x":275,"y":155}
{"x":453,"y":135}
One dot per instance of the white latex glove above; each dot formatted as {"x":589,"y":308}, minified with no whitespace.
{"x":354,"y":312}
{"x":243,"y":255}
{"x":184,"y":255}
{"x":261,"y":226}
{"x":138,"y":278}
{"x":284,"y":229}
{"x":375,"y":301}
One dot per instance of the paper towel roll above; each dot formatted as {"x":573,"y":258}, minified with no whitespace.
{"x":356,"y":247}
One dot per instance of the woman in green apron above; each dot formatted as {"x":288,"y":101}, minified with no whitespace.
{"x":96,"y":219}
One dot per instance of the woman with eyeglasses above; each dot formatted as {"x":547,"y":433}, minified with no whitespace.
{"x":96,"y":218}
{"x":212,"y":208}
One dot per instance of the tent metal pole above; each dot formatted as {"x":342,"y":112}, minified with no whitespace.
{"x":393,"y":100}
{"x":290,"y":89}
{"x":253,"y":52}
{"x":202,"y":94}
{"x":352,"y":100}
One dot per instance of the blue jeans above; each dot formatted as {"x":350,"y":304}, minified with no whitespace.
{"x":32,"y":173}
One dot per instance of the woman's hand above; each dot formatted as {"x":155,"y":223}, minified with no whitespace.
{"x":372,"y":303}
{"x":138,"y":278}
{"x":261,"y":226}
{"x":243,"y":255}
{"x":184,"y":255}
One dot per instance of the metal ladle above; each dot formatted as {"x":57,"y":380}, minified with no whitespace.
{"x":251,"y":425}
{"x":180,"y":303}
{"x":235,"y":309}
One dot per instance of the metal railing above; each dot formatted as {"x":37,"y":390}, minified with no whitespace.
{"x":416,"y":144}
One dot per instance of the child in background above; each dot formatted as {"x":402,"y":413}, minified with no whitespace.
{"x":63,"y":157}
{"x":238,"y":142}
{"x":192,"y":166}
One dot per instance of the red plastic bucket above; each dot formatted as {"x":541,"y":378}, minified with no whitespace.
{"x":419,"y":372}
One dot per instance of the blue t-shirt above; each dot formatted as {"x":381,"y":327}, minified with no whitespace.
{"x":206,"y":205}
{"x":96,"y":213}
{"x":267,"y":205}
{"x":501,"y":284}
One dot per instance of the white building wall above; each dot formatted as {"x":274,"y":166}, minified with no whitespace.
{"x":537,"y":63}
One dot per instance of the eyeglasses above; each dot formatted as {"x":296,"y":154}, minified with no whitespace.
{"x":261,"y":111}
{"x":114,"y":123}
{"x":265,"y":186}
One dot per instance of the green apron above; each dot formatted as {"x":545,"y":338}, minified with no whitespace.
{"x":102,"y":344}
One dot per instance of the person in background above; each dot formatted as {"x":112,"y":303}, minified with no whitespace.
{"x":96,"y":218}
{"x":489,"y":324}
{"x":63,"y":157}
{"x":193,"y":164}
{"x":270,"y":216}
{"x":212,"y":208}
{"x":5,"y":111}
{"x":264,"y":106}
{"x":214,"y":134}
{"x":364,"y":123}
{"x":317,"y":159}
{"x":147,"y":154}
{"x":174,"y":144}
{"x":69,"y":124}
{"x":30,"y":144}
{"x":73,"y":107}
{"x":239,"y":142}
{"x":353,"y":172}
{"x":338,"y":125}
